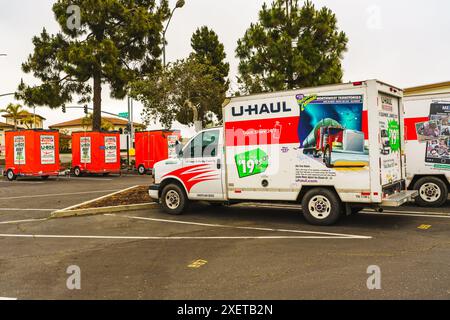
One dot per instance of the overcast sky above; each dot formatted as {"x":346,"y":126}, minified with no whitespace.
{"x":402,"y":42}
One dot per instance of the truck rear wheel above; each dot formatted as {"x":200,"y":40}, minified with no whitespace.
{"x":433,"y":192}
{"x":10,"y":175}
{"x":173,"y":199}
{"x":141,"y":170}
{"x":77,"y":172}
{"x":321,"y":207}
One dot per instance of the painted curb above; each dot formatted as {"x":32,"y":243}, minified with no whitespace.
{"x":72,"y":212}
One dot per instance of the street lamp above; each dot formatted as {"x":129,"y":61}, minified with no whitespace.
{"x":179,"y":4}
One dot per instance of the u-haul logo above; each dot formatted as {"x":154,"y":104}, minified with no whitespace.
{"x":257,"y":109}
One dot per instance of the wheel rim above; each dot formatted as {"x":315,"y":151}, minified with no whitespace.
{"x":141,"y":170}
{"x":319,"y":207}
{"x":77,"y":172}
{"x":430,"y":192}
{"x":10,"y":175}
{"x":172,"y":199}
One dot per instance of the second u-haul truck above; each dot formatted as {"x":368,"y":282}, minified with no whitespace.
{"x":427,"y":126}
{"x":318,"y":148}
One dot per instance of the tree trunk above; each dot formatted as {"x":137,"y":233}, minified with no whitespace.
{"x":97,"y":115}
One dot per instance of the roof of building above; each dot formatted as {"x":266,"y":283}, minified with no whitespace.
{"x":427,"y":88}
{"x":24,"y":114}
{"x":6,"y":125}
{"x":79,"y":122}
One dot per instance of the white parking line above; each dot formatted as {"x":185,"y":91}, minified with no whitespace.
{"x":22,"y":182}
{"x":26,"y":209}
{"x":21,"y":221}
{"x":407,"y":215}
{"x":429,"y":213}
{"x":94,"y":179}
{"x":350,"y":236}
{"x":5,"y":298}
{"x":49,"y":236}
{"x":58,"y":194}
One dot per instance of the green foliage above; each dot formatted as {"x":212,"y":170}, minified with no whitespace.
{"x":173,"y":93}
{"x":289,"y":47}
{"x":209,"y":51}
{"x":15,"y":111}
{"x":88,"y":120}
{"x":189,"y":89}
{"x":117,"y":41}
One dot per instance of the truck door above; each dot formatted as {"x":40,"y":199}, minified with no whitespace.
{"x":390,"y":142}
{"x":203,"y":166}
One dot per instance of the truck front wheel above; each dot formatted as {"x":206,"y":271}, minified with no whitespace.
{"x":321,"y":207}
{"x":173,"y":199}
{"x":10,"y":175}
{"x":433,"y":192}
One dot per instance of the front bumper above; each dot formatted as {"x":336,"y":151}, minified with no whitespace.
{"x":153,"y":191}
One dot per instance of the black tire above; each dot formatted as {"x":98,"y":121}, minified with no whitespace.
{"x":173,"y":199}
{"x":10,"y":175}
{"x":44,"y":177}
{"x":142,"y":170}
{"x":327,"y":157}
{"x":105,"y":174}
{"x":433,"y":192}
{"x":77,"y":172}
{"x":321,"y":207}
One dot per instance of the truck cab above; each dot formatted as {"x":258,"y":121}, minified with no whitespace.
{"x":196,"y":174}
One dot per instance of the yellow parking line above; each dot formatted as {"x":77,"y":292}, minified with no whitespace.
{"x":197,"y":264}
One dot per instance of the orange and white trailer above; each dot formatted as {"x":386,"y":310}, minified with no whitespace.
{"x":32,"y":153}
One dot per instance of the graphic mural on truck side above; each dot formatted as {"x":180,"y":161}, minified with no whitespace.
{"x":436,"y":134}
{"x":331,"y":129}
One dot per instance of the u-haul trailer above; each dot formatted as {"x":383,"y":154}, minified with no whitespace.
{"x":262,"y":153}
{"x":427,"y":126}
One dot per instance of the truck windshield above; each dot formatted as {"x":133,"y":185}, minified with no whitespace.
{"x":204,"y":145}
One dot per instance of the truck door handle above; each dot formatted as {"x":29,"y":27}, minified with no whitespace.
{"x":218,"y":164}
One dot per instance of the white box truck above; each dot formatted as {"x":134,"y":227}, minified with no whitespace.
{"x":427,"y":127}
{"x":315,"y":148}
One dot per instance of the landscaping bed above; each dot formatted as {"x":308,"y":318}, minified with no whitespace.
{"x":137,"y":195}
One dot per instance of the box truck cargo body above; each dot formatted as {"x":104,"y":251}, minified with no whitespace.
{"x":95,"y":152}
{"x":315,"y":147}
{"x":33,"y":153}
{"x":427,"y":126}
{"x":154,"y":146}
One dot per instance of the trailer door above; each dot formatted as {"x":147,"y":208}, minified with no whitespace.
{"x":390,"y":143}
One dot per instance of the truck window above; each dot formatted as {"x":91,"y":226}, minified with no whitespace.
{"x":204,"y":145}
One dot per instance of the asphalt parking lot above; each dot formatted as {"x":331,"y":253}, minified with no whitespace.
{"x":212,"y":252}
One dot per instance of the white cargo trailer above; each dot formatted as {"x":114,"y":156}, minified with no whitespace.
{"x":318,"y":148}
{"x":427,"y":126}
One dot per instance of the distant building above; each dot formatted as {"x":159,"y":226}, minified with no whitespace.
{"x":3,"y":127}
{"x":38,"y":120}
{"x":428,"y":89}
{"x":78,"y":125}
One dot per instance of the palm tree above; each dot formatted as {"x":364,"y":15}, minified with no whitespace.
{"x":28,"y":121}
{"x":87,"y":123}
{"x":15,"y":111}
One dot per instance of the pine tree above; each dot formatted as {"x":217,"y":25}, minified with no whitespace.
{"x":114,"y":42}
{"x":289,"y":47}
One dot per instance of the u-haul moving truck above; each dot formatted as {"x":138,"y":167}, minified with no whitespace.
{"x":427,"y":126}
{"x":318,"y":147}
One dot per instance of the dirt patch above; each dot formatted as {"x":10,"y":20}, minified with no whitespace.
{"x":138,"y":195}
